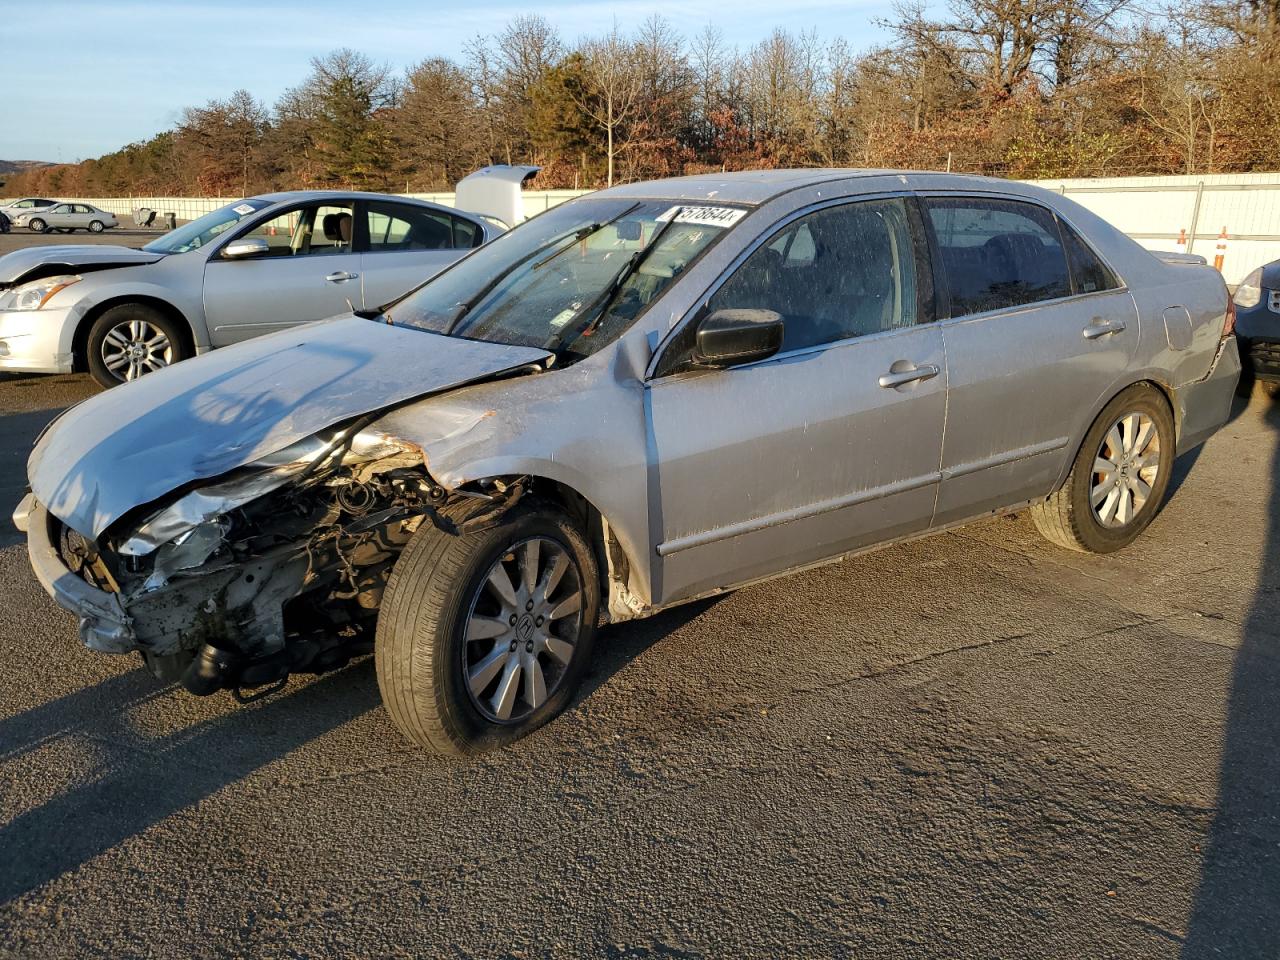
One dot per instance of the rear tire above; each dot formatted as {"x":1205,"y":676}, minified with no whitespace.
{"x":95,"y":226}
{"x":448,"y":645}
{"x":131,"y":340}
{"x":1098,"y":509}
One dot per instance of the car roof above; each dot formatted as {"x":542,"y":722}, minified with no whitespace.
{"x":303,"y":196}
{"x":755,"y":187}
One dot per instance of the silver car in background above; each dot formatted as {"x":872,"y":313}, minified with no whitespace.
{"x":255,"y":266}
{"x":652,"y":394}
{"x":66,"y":218}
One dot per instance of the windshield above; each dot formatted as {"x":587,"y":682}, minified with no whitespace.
{"x":194,"y":235}
{"x":570,"y":280}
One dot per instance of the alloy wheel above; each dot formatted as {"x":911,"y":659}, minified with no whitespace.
{"x":1125,"y":469}
{"x":134,"y":347}
{"x":522,"y":629}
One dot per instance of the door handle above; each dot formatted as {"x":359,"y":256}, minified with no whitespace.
{"x":1100,"y":328}
{"x":897,"y":378}
{"x":342,"y":276}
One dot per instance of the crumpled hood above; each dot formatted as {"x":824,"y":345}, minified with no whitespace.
{"x":200,"y":418}
{"x":32,"y":262}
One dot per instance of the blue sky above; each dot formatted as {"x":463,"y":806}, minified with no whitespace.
{"x":115,"y":71}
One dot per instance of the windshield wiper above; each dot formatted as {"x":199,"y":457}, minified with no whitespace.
{"x":598,"y":308}
{"x":577,"y":236}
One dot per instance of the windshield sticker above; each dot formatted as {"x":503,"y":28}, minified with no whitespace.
{"x":244,"y":209}
{"x":724,"y":217}
{"x":564,"y":316}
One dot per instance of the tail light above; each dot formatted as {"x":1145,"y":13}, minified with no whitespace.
{"x":1229,"y":321}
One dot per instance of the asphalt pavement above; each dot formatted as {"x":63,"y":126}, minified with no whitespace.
{"x":974,"y":745}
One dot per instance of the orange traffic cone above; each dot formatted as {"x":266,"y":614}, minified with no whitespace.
{"x":1182,"y":238}
{"x":1222,"y":250}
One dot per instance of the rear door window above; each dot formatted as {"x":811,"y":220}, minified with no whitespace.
{"x":998,"y":253}
{"x":395,"y":226}
{"x":1088,"y":272}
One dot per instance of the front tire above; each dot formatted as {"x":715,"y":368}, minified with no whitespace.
{"x":36,"y":226}
{"x":1118,"y":479}
{"x":131,"y":340}
{"x":484,"y":636}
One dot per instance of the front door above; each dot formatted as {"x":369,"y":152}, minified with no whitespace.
{"x":310,"y":272}
{"x":59,"y":216}
{"x":833,"y":443}
{"x":1040,"y":330}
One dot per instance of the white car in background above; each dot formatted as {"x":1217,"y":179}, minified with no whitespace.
{"x":16,"y":208}
{"x":255,"y":266}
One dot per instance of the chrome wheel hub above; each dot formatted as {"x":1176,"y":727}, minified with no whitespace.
{"x":522,"y":629}
{"x":135,"y":347}
{"x":1125,"y":470}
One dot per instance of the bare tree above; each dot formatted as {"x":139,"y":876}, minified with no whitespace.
{"x":1178,"y":96}
{"x":613,"y":89}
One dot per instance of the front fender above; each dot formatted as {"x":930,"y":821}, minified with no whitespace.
{"x":102,"y":294}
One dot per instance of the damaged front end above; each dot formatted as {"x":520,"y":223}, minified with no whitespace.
{"x":275,"y":568}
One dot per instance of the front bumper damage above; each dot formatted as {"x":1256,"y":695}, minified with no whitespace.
{"x":275,"y":570}
{"x":240,"y":582}
{"x":104,"y":624}
{"x":228,"y":603}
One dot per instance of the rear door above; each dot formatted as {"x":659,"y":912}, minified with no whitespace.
{"x":310,"y":272}
{"x":1040,"y":328}
{"x":409,"y":244}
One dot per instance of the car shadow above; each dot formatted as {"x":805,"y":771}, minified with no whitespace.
{"x":141,"y":787}
{"x":144,"y":783}
{"x":18,"y":432}
{"x":1236,"y":909}
{"x":616,"y":646}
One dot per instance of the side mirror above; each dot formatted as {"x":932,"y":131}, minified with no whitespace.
{"x":246,"y":248}
{"x":731,"y":337}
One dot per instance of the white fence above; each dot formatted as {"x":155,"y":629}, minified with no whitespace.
{"x":188,"y":208}
{"x":1155,"y":211}
{"x":1189,"y":214}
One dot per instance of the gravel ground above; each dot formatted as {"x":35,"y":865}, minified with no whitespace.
{"x":973,"y":745}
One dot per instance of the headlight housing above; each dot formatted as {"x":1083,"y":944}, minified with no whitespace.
{"x":34,"y":295}
{"x":254,"y":480}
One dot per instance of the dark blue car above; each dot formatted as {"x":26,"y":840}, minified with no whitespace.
{"x":1257,"y":302}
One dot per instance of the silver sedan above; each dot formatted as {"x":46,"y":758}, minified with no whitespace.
{"x":255,"y":266}
{"x":67,"y":218}
{"x":649,"y":395}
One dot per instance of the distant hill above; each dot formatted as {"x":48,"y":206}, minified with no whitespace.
{"x":21,"y":166}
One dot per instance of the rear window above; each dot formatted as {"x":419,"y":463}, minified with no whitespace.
{"x":998,"y":254}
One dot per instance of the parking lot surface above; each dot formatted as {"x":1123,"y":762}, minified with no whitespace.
{"x":972,"y":745}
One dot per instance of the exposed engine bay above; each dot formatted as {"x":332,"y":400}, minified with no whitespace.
{"x":276,"y":568}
